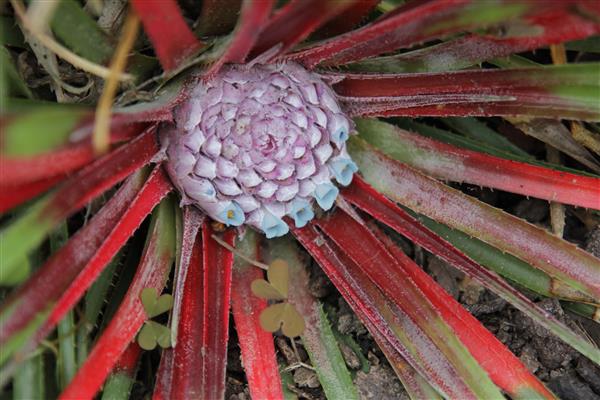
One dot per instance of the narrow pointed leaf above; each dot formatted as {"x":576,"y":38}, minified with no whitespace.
{"x":317,"y":337}
{"x":172,"y":39}
{"x":23,"y":169}
{"x":119,"y":383}
{"x":414,"y":23}
{"x":557,"y":91}
{"x":218,"y":263}
{"x":39,"y":130}
{"x":258,"y":350}
{"x":153,"y":191}
{"x":153,"y":271}
{"x":510,"y":267}
{"x":181,"y":367}
{"x":422,"y":194}
{"x":558,"y":136}
{"x":472,"y":334}
{"x":549,"y":27}
{"x":253,"y":17}
{"x":80,"y":32}
{"x":12,"y":196}
{"x":376,"y":311}
{"x":295,"y":21}
{"x":348,"y":19}
{"x":481,"y":132}
{"x":387,"y":212}
{"x":52,"y":279}
{"x":24,"y":234}
{"x":192,"y":221}
{"x":447,"y":162}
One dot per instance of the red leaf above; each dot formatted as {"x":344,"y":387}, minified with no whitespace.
{"x":295,"y":21}
{"x":193,"y":219}
{"x":152,"y":272}
{"x":195,"y":367}
{"x":481,"y":92}
{"x":12,"y":196}
{"x":375,"y":310}
{"x":410,"y":24}
{"x":427,"y":196}
{"x":558,"y":27}
{"x":127,"y":364}
{"x":258,"y":351}
{"x":252,"y":19}
{"x":374,"y":203}
{"x":153,"y":191}
{"x":215,"y":327}
{"x":180,"y":371}
{"x":19,"y":170}
{"x":348,"y":19}
{"x":360,"y":244}
{"x":52,"y":279}
{"x":406,"y":23}
{"x":486,"y":170}
{"x":173,"y":40}
{"x":102,"y":174}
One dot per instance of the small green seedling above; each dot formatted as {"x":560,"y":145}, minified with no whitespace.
{"x":153,"y":333}
{"x":280,"y":315}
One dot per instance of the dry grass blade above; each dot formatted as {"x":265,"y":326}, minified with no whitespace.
{"x":60,"y":50}
{"x":101,"y":138}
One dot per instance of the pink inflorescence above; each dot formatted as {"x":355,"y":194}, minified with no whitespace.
{"x":254,"y":144}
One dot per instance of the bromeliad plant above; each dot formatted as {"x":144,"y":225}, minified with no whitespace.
{"x":273,"y":128}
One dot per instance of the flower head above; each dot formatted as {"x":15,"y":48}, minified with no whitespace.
{"x":254,"y":144}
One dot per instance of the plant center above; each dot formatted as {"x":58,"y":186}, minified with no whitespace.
{"x":255,"y":144}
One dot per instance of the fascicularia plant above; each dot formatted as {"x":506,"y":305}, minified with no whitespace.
{"x":273,"y":129}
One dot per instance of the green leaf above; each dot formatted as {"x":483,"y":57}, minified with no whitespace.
{"x":29,"y":380}
{"x":278,"y":276}
{"x":154,"y":305}
{"x":39,"y":131}
{"x":588,"y":45}
{"x":272,"y":317}
{"x":481,"y":133}
{"x":146,"y":338}
{"x":118,"y":387}
{"x":80,"y":33}
{"x":10,"y":34}
{"x":293,"y":322}
{"x":317,"y":336}
{"x":370,"y":134}
{"x":265,"y":290}
{"x":15,"y":273}
{"x":11,"y":80}
{"x":22,"y":236}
